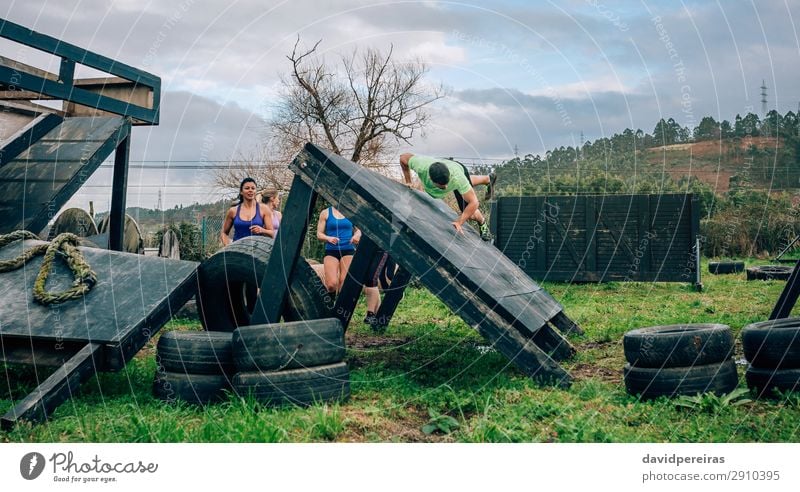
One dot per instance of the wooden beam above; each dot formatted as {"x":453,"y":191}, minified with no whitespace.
{"x":119,"y":188}
{"x":566,"y":325}
{"x":788,"y":298}
{"x":285,"y":252}
{"x":27,"y":135}
{"x":354,"y":282}
{"x":56,"y":389}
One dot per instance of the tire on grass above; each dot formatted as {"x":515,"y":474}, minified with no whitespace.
{"x":769,"y":272}
{"x":228,"y":283}
{"x":725,"y":267}
{"x":773,"y":344}
{"x":719,"y":378}
{"x":196,"y":352}
{"x":765,"y":381}
{"x":199,"y":389}
{"x":297,"y":386}
{"x":678,"y":345}
{"x":275,"y":346}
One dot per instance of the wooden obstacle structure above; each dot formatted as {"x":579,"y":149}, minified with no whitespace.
{"x":474,"y":279}
{"x":46,"y":154}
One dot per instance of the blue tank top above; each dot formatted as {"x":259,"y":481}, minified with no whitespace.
{"x":340,"y":228}
{"x":241,"y":228}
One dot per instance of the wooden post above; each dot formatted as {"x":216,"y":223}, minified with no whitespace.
{"x":119,"y":186}
{"x":285,"y":252}
{"x":354,"y":283}
{"x":788,"y":297}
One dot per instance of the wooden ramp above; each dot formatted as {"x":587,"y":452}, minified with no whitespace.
{"x":41,"y":177}
{"x":472,"y":277}
{"x":134,"y":297}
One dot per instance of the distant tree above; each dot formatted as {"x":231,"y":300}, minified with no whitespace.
{"x":708,"y":129}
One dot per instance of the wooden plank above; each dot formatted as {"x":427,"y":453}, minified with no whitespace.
{"x":590,"y":211}
{"x":59,"y":387}
{"x":354,"y":282}
{"x":789,"y":294}
{"x":392,"y":297}
{"x":285,"y":252}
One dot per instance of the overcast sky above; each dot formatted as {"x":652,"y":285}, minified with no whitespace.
{"x":530,"y":75}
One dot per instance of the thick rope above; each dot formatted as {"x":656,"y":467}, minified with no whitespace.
{"x":66,"y":245}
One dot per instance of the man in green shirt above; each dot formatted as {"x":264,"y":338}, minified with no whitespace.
{"x":442,"y":176}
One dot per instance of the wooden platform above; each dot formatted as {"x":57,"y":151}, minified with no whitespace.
{"x":134,"y":297}
{"x":470,"y":276}
{"x":39,"y":180}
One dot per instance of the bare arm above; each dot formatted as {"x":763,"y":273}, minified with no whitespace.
{"x":267,"y":230}
{"x":472,"y":204}
{"x":321,"y":229}
{"x":226,"y":227}
{"x":404,"y":158}
{"x":356,"y":235}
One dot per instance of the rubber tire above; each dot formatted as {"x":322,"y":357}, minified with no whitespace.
{"x":773,"y":344}
{"x":763,"y":381}
{"x":229,"y":279}
{"x":769,"y":272}
{"x":291,"y":345}
{"x":196,"y":352}
{"x":296,"y":387}
{"x":198,"y":389}
{"x":649,"y":382}
{"x":678,"y":345}
{"x":725,"y":267}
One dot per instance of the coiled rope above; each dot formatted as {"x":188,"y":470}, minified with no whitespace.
{"x":66,"y":245}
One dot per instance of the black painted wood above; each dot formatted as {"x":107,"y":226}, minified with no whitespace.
{"x":26,"y":136}
{"x":789,"y":294}
{"x":285,"y":252}
{"x":467,"y":274}
{"x":600,"y":238}
{"x":132,"y":293}
{"x":354,"y":282}
{"x":119,"y":188}
{"x":392,"y":297}
{"x":35,"y":190}
{"x":59,"y":387}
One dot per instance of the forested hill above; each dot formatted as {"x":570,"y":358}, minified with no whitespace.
{"x":764,"y":154}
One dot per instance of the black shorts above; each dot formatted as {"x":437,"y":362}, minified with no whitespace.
{"x":381,"y":271}
{"x":340,"y":254}
{"x":459,"y":198}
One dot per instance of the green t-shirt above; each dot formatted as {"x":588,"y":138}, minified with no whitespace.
{"x":458,"y":180}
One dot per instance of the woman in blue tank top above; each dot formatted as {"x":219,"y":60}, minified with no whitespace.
{"x":245,"y":218}
{"x":340,"y":238}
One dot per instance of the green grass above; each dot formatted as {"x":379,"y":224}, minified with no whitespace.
{"x":431,"y":368}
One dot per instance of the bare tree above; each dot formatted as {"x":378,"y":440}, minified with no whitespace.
{"x":360,"y":111}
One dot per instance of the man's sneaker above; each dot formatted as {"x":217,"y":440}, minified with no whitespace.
{"x":484,"y":230}
{"x":370,"y":318}
{"x":490,"y":186}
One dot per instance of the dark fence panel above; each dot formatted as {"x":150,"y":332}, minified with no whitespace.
{"x":600,"y":238}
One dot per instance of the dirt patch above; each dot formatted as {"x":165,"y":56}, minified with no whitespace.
{"x":583,"y":372}
{"x":364,"y":426}
{"x":366,"y":342}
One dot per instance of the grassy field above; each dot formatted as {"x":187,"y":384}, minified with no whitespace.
{"x":431,"y":371}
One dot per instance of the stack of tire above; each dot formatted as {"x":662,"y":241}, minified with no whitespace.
{"x":773,"y":350}
{"x":299,"y":363}
{"x":678,"y":360}
{"x":193,"y":366}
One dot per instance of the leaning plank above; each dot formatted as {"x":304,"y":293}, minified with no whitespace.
{"x":56,"y":389}
{"x":471,"y":277}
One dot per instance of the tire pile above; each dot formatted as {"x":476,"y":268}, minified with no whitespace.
{"x":773,"y":350}
{"x":769,"y":272}
{"x":678,"y":360}
{"x":298,"y":363}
